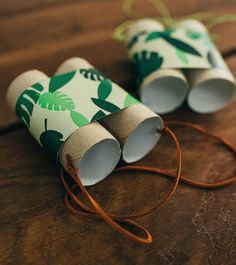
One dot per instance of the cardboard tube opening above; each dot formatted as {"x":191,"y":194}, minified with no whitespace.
{"x":164,"y":94}
{"x":99,"y":161}
{"x":93,"y":150}
{"x":142,"y":140}
{"x":135,"y":128}
{"x":211,"y":95}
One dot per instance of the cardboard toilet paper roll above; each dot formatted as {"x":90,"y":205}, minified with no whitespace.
{"x":162,"y":90}
{"x":135,"y":127}
{"x":94,"y":151}
{"x":211,"y":89}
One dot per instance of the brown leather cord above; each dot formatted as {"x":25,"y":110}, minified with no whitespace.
{"x":195,"y":183}
{"x":97,"y":211}
{"x":230,"y":147}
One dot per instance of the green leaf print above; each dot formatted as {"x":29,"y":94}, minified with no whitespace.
{"x":59,"y":81}
{"x":158,"y":34}
{"x":38,"y":87}
{"x":78,"y":118}
{"x":208,"y":41}
{"x":134,"y":40}
{"x":104,"y":89}
{"x":51,"y":141}
{"x":211,"y":59}
{"x":145,"y":63}
{"x":56,"y":101}
{"x":182,"y":56}
{"x":105,"y":105}
{"x":193,"y":34}
{"x":24,"y":105}
{"x":181,"y":45}
{"x":92,"y":74}
{"x":100,"y":114}
{"x":153,"y":36}
{"x":130,"y":100}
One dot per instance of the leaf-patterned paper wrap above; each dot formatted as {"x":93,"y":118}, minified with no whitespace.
{"x":214,"y":57}
{"x":171,"y":48}
{"x":56,"y":107}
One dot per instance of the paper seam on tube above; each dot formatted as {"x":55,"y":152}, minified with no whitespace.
{"x":56,"y":107}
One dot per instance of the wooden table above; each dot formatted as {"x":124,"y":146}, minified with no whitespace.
{"x":197,"y":226}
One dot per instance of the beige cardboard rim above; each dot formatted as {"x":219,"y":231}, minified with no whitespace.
{"x":135,"y":128}
{"x":20,"y":83}
{"x":164,"y":90}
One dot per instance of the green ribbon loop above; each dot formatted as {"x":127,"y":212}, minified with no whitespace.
{"x":210,"y":19}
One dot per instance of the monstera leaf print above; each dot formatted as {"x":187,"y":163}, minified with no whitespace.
{"x":145,"y":63}
{"x":51,"y":141}
{"x":56,"y":101}
{"x":26,"y":101}
{"x":92,"y":74}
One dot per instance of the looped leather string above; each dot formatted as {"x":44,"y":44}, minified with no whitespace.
{"x":97,"y":211}
{"x":113,"y":220}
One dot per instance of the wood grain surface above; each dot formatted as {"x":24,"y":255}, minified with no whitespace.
{"x":197,"y":226}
